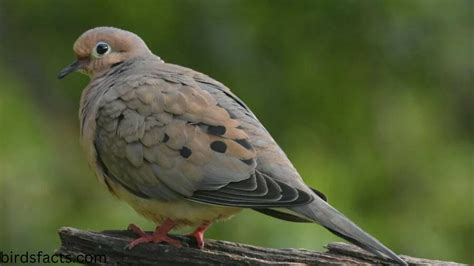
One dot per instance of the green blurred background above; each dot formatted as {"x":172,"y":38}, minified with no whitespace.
{"x":372,"y":101}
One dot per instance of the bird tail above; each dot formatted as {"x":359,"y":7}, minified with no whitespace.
{"x":321,"y":212}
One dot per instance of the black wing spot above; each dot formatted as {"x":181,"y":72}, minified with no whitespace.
{"x":216,"y":130}
{"x":218,"y":146}
{"x":120,"y":118}
{"x":185,"y":152}
{"x":244,"y":143}
{"x":165,"y":138}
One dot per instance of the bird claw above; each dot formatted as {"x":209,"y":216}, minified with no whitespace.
{"x":155,"y":238}
{"x":199,"y":236}
{"x":137,"y":230}
{"x":159,"y":236}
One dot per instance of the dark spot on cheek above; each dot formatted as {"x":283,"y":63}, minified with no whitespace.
{"x":218,"y":146}
{"x":216,"y":130}
{"x":185,"y":152}
{"x":165,"y":138}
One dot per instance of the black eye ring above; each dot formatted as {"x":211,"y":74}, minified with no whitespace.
{"x":102,"y":48}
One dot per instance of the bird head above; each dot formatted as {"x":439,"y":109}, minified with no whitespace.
{"x":98,"y":49}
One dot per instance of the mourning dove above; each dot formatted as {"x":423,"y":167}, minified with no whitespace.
{"x":182,"y":149}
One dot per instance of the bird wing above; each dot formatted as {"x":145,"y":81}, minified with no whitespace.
{"x":162,"y":134}
{"x":272,"y":160}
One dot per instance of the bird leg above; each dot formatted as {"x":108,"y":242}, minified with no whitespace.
{"x":160,"y":235}
{"x":198,"y":234}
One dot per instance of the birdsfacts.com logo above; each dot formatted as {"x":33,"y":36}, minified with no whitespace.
{"x":41,"y":257}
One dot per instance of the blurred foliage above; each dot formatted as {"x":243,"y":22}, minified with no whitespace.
{"x":372,"y":100}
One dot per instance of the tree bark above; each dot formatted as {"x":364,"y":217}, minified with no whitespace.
{"x":108,"y":248}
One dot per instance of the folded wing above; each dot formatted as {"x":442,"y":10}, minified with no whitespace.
{"x":165,"y":138}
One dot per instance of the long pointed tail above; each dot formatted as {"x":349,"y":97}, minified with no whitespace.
{"x":324,"y":214}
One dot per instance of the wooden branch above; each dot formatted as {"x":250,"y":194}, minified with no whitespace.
{"x":77,"y":244}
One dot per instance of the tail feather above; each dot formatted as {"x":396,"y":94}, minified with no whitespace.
{"x":324,"y":214}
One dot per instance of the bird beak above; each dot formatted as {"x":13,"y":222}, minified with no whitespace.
{"x":76,"y":65}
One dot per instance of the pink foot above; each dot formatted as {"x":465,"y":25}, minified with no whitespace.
{"x":198,"y":234}
{"x":160,"y":235}
{"x":155,"y":239}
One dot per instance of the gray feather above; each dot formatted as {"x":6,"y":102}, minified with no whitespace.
{"x":324,"y":214}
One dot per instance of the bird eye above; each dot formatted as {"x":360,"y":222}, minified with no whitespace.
{"x":101,"y":49}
